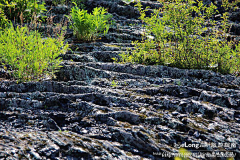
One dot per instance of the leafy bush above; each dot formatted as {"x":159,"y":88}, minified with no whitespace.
{"x":30,"y":56}
{"x":186,"y":37}
{"x":22,"y":10}
{"x":89,"y":26}
{"x":3,"y":19}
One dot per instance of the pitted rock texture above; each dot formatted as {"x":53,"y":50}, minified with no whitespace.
{"x":97,"y":109}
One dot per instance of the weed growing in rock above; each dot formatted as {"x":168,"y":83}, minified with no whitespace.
{"x":178,"y":83}
{"x":114,"y":84}
{"x":88,"y":26}
{"x":28,"y":55}
{"x":186,"y":36}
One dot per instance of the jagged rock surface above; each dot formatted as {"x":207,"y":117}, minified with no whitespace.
{"x":97,"y":109}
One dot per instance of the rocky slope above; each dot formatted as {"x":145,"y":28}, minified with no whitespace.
{"x":97,"y":109}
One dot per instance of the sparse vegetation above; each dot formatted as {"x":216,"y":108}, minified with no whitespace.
{"x":186,"y":37}
{"x":114,"y":84}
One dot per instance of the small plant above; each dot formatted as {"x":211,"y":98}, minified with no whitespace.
{"x":114,"y":84}
{"x":178,"y":83}
{"x":185,"y":37}
{"x":89,"y":26}
{"x":28,"y":55}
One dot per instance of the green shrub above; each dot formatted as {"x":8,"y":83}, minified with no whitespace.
{"x":22,"y":10}
{"x":184,"y":40}
{"x":3,"y":19}
{"x":30,"y":56}
{"x":88,"y":26}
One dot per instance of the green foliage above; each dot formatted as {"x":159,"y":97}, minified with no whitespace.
{"x":88,"y":26}
{"x":3,"y":19}
{"x":184,"y":40}
{"x":22,"y":10}
{"x":144,"y":53}
{"x":114,"y":84}
{"x":30,"y":56}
